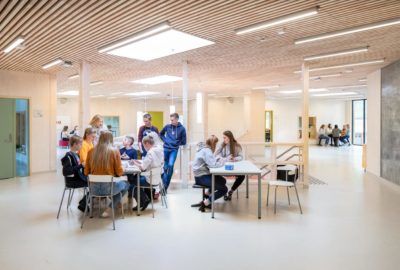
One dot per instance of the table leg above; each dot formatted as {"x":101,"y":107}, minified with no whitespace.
{"x":259,"y":196}
{"x":247,"y":186}
{"x":138,"y":193}
{"x":212,"y":194}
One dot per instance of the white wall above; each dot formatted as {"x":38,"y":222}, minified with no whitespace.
{"x":374,"y":123}
{"x":41,"y":90}
{"x":286,"y":114}
{"x":126,"y":109}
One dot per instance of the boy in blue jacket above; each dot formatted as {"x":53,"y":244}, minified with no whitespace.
{"x":173,"y":136}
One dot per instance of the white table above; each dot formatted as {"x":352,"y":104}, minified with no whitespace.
{"x":133,"y":169}
{"x":243,"y":167}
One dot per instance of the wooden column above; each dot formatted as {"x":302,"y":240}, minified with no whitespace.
{"x":84,"y":96}
{"x":304,"y":124}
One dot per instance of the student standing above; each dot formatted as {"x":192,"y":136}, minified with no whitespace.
{"x":64,"y":134}
{"x":73,"y":169}
{"x":145,"y":130}
{"x":97,"y":124}
{"x":230,"y":150}
{"x":104,"y":159}
{"x":173,"y":135}
{"x":203,"y":161}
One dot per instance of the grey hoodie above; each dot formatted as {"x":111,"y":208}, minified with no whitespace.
{"x":204,"y":160}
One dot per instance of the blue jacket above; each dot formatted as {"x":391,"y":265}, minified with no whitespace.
{"x":173,"y":136}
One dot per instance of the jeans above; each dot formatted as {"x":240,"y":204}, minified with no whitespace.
{"x":323,"y":137}
{"x":345,"y":139}
{"x":169,"y":161}
{"x":220,"y":185}
{"x":103,"y":189}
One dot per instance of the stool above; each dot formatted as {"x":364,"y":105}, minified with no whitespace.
{"x":203,"y":194}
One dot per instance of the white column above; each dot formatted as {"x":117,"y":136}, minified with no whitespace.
{"x":185,"y":150}
{"x":53,"y":118}
{"x":84,"y":96}
{"x":304,"y":124}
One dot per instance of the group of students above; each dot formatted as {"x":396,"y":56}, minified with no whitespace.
{"x":65,"y":134}
{"x":334,"y":135}
{"x":95,"y":154}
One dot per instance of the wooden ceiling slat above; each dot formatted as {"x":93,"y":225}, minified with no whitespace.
{"x":10,"y":6}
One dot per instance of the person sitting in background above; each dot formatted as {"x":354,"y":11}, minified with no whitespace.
{"x":329,"y":133}
{"x":73,"y":169}
{"x":203,"y":161}
{"x":336,"y":135}
{"x":322,"y":135}
{"x":64,"y":134}
{"x":104,"y":159}
{"x":128,"y":152}
{"x":75,"y":131}
{"x":344,"y":135}
{"x":145,"y":130}
{"x":153,"y":159}
{"x":88,"y":138}
{"x":230,"y":150}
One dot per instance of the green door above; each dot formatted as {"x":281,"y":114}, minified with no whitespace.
{"x":157,"y":119}
{"x":7,"y":138}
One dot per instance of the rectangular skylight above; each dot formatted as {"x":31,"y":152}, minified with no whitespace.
{"x":158,"y":79}
{"x":69,"y":93}
{"x":96,"y":82}
{"x":159,"y":45}
{"x":142,"y":93}
{"x":297,"y":91}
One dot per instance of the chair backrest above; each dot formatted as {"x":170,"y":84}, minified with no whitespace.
{"x":291,"y":172}
{"x":100,"y":178}
{"x":155,"y":174}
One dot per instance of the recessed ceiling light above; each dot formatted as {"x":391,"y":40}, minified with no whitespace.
{"x":348,"y":31}
{"x":97,"y":96}
{"x":212,"y":94}
{"x":277,"y":21}
{"x":362,"y":80}
{"x":73,"y":76}
{"x":160,"y":43}
{"x":96,"y":83}
{"x":142,"y":93}
{"x":333,"y":54}
{"x":158,"y":79}
{"x":266,"y":87}
{"x":347,"y":86}
{"x":326,"y":75}
{"x":53,"y":63}
{"x":116,"y":93}
{"x":378,"y":61}
{"x":18,"y":41}
{"x":335,"y":94}
{"x":297,"y":91}
{"x":69,"y":93}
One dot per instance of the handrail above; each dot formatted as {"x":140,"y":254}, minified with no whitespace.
{"x":285,"y":152}
{"x":294,"y":155}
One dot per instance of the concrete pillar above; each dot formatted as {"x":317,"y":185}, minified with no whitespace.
{"x":84,"y":96}
{"x":304,"y":124}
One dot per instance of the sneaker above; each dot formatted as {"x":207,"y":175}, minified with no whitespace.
{"x":106,"y":213}
{"x":82,"y":208}
{"x":144,"y":205}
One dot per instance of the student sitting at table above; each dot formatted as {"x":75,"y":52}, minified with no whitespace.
{"x":203,"y":161}
{"x":153,"y":159}
{"x":128,"y":152}
{"x":64,"y":134}
{"x":104,"y":159}
{"x":87,"y":144}
{"x":73,"y":169}
{"x":230,"y":150}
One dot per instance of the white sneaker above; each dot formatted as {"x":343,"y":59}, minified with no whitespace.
{"x":106,"y":213}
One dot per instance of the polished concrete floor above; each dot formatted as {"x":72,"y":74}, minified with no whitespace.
{"x":353,"y":222}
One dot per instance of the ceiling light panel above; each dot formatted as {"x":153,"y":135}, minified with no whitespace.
{"x":142,"y":93}
{"x":334,"y":54}
{"x":18,"y":41}
{"x":159,"y":45}
{"x":277,"y":21}
{"x":348,"y":31}
{"x":69,"y":93}
{"x":372,"y":62}
{"x":53,"y":63}
{"x":158,"y":79}
{"x":266,"y":87}
{"x":336,"y":94}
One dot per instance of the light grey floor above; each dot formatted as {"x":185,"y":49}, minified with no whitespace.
{"x":351,"y":223}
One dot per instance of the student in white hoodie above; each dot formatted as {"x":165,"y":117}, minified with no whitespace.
{"x":230,"y":150}
{"x":153,"y":159}
{"x":204,"y":160}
